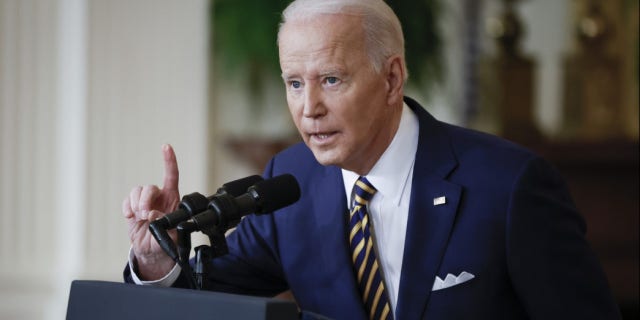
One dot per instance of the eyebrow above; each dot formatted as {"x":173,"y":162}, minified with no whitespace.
{"x":331,"y":72}
{"x":286,"y":76}
{"x":323,"y":73}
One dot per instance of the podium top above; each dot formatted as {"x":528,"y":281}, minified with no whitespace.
{"x":110,"y":300}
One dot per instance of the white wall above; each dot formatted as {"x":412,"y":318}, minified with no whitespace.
{"x":89,"y":91}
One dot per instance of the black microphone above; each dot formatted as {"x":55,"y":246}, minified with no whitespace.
{"x":263,"y":197}
{"x":193,"y":204}
{"x":225,"y":211}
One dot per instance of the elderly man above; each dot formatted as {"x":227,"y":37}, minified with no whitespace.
{"x":401,"y":216}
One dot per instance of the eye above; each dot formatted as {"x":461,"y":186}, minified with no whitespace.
{"x":332,"y":80}
{"x":295,"y":84}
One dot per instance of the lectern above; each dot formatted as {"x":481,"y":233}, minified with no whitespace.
{"x":100,"y":300}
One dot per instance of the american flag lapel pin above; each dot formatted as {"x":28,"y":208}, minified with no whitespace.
{"x":439,"y":200}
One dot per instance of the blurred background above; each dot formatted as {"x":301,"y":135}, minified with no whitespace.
{"x":91,"y":89}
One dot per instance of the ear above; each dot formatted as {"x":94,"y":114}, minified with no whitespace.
{"x":395,"y":79}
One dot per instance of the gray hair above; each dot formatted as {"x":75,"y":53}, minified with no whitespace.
{"x":383,"y":32}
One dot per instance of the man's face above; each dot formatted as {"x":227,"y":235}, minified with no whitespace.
{"x":338,"y":102}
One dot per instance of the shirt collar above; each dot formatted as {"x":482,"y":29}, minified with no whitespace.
{"x":390,"y":174}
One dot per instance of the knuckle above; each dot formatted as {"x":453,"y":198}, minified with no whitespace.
{"x":149,"y":190}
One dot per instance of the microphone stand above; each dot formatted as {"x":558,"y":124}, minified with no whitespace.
{"x":184,"y":248}
{"x":203,"y":254}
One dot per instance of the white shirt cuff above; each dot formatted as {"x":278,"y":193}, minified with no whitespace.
{"x":165,"y":281}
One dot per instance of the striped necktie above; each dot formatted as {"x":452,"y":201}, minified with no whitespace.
{"x":364,"y":259}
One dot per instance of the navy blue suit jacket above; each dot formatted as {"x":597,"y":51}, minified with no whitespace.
{"x":508,"y":219}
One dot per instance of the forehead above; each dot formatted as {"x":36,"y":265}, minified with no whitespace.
{"x":335,"y":37}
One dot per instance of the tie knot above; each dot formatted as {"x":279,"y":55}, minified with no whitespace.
{"x":363,"y":190}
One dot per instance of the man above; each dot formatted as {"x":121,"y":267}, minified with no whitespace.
{"x":400,"y":216}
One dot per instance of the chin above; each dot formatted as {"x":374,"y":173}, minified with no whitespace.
{"x":325,"y":158}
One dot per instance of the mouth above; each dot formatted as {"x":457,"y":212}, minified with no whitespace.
{"x":322,"y":138}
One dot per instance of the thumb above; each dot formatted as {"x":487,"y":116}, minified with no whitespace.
{"x":171,"y":174}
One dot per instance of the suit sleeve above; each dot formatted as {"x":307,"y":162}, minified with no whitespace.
{"x":554,"y":271}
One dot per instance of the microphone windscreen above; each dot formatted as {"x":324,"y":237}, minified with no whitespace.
{"x":238,"y":187}
{"x":276,"y":193}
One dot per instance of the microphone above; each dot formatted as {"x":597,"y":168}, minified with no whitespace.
{"x":263,"y":197}
{"x":193,"y":204}
{"x":226,"y":210}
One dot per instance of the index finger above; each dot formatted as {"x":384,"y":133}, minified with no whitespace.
{"x":171,"y":174}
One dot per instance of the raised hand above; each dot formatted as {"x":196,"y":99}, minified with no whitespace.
{"x":146,"y":204}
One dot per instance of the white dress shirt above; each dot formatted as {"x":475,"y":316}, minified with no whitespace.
{"x":389,"y":207}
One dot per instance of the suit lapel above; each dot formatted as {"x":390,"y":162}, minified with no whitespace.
{"x":428,"y":231}
{"x":330,"y":213}
{"x":429,"y":224}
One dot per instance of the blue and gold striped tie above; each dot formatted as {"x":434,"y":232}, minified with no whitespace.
{"x":364,"y":259}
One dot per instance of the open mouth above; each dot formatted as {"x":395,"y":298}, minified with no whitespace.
{"x":322,"y":137}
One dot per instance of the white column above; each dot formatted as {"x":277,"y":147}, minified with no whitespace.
{"x":28,"y":212}
{"x":89,"y":91}
{"x":71,"y":149}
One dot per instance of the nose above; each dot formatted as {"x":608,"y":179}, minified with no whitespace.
{"x":313,"y":102}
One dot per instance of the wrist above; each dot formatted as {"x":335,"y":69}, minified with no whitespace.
{"x":152,"y":268}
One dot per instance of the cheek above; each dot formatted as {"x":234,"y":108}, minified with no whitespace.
{"x":357,"y":134}
{"x":295,"y":112}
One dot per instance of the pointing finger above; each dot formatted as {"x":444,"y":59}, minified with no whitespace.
{"x":170,"y":169}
